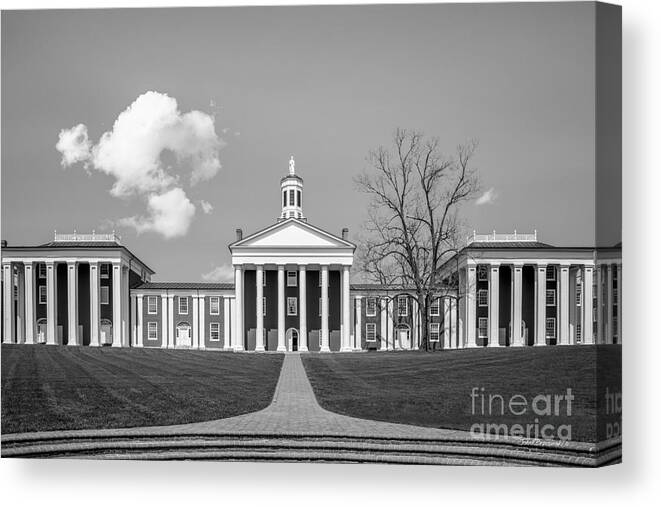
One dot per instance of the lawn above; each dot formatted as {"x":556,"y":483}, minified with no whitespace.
{"x":56,"y":388}
{"x":444,"y":389}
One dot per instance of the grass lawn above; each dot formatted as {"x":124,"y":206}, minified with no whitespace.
{"x":56,"y":388}
{"x":434,"y":389}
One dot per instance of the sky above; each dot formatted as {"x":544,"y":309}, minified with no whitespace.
{"x":174,"y":126}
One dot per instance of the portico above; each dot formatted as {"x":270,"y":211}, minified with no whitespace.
{"x":64,"y":291}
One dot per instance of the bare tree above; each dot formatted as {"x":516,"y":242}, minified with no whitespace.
{"x":413,"y":225}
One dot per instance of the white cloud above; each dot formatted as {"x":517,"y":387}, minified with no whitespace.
{"x":207,"y":207}
{"x":133,"y":151}
{"x":74,"y":145}
{"x":169,"y":214}
{"x":488,"y":197}
{"x":222,"y":273}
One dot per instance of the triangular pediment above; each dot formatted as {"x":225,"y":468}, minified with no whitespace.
{"x":292,"y":233}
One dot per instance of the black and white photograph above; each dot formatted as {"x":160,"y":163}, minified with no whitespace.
{"x":366,"y":234}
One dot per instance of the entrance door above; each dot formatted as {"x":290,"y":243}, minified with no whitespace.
{"x":292,"y":339}
{"x":106,"y":332}
{"x":404,"y":338}
{"x":183,"y":335}
{"x":41,"y":331}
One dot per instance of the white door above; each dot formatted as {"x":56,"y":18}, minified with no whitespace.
{"x":404,"y":338}
{"x":106,"y":334}
{"x":41,"y":333}
{"x":183,"y":336}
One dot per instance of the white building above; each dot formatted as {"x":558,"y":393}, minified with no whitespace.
{"x":292,"y":291}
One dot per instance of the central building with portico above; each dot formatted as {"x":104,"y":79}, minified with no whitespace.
{"x":292,"y":282}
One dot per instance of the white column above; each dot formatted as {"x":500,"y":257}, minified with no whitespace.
{"x":51,"y":303}
{"x":95,"y":310}
{"x":133,"y":332}
{"x":138,"y":322}
{"x":227,"y":318}
{"x":415,"y":324}
{"x":609,"y":304}
{"x":172,"y":339}
{"x":281,"y":309}
{"x":563,"y":304}
{"x":302,"y":309}
{"x":20,"y":317}
{"x":324,"y":309}
{"x":259,"y":284}
{"x":164,"y":321}
{"x":358,"y":332}
{"x":72,"y":303}
{"x":238,"y":309}
{"x":494,"y":304}
{"x":600,"y":303}
{"x":126,"y":337}
{"x":470,"y":291}
{"x":540,"y":303}
{"x":587,"y":333}
{"x":447,"y":324}
{"x":384,"y":324}
{"x":619,"y":303}
{"x":391,"y":324}
{"x":346,"y":310}
{"x":517,"y":302}
{"x":196,"y":322}
{"x":117,"y":318}
{"x":28,"y":276}
{"x":454,"y":320}
{"x":202,"y":328}
{"x":7,"y":303}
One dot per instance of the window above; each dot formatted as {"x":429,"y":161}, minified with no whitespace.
{"x":291,"y":197}
{"x":183,"y":305}
{"x":482,"y":273}
{"x":483,"y":297}
{"x":292,"y":306}
{"x":319,"y":307}
{"x":435,"y":308}
{"x":214,"y":305}
{"x":284,"y":199}
{"x":579,"y":293}
{"x":434,"y":332}
{"x":264,"y":306}
{"x":42,"y":270}
{"x":615,"y":297}
{"x":320,"y":339}
{"x":291,"y":279}
{"x":264,"y":279}
{"x":615,"y":326}
{"x":43,"y":297}
{"x":105,"y":295}
{"x":550,"y":297}
{"x":482,"y":327}
{"x":402,"y":306}
{"x":151,"y":305}
{"x":370,"y":311}
{"x":370,"y":332}
{"x":152,"y":330}
{"x":550,"y":274}
{"x":105,"y":270}
{"x":214,"y":331}
{"x":298,"y":198}
{"x":578,"y":333}
{"x":550,"y":327}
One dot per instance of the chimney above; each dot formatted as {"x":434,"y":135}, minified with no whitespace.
{"x":345,"y":234}
{"x":239,"y":234}
{"x":4,"y":243}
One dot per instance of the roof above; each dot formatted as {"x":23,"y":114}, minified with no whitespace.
{"x":378,"y":287}
{"x":281,"y":224}
{"x":66,"y":245}
{"x":508,"y":244}
{"x":186,"y":286}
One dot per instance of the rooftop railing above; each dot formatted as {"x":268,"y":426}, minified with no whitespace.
{"x":76,"y":236}
{"x":496,"y":238}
